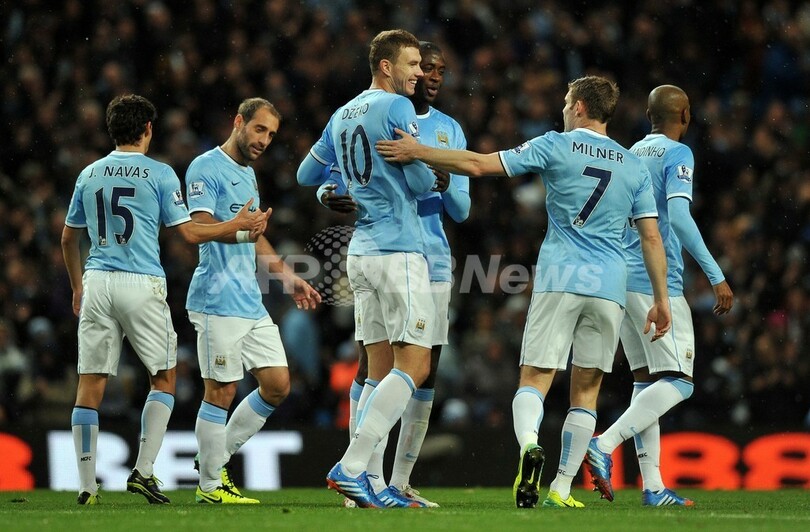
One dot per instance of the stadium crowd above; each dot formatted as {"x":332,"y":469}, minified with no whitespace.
{"x":745,"y":66}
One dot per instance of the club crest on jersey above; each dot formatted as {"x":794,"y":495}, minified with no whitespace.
{"x":195,"y":189}
{"x":413,"y":129}
{"x":522,"y":147}
{"x":442,"y":139}
{"x":177,"y":197}
{"x":684,"y":173}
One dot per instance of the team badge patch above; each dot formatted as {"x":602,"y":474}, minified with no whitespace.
{"x":420,"y":326}
{"x":442,"y":139}
{"x":177,"y":197}
{"x":521,"y":148}
{"x":195,"y":189}
{"x":413,"y":129}
{"x":685,"y":173}
{"x":219,"y":361}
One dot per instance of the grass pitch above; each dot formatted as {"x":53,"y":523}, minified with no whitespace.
{"x":461,"y":509}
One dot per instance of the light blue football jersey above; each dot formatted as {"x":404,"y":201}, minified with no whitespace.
{"x":224,"y":283}
{"x":593,"y":185}
{"x":671,"y":166}
{"x":122,"y":199}
{"x":387,"y":219}
{"x":439,"y":130}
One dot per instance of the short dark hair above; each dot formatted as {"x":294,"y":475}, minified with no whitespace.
{"x":387,"y":45}
{"x":427,"y":47}
{"x":599,"y":94}
{"x":127,"y":116}
{"x":249,"y":107}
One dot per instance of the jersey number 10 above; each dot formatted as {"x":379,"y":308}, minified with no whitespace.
{"x":350,"y":166}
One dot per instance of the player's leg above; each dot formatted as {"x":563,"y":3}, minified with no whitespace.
{"x":577,"y":430}
{"x":400,"y":284}
{"x":141,"y":309}
{"x":416,"y":418}
{"x":219,"y":346}
{"x":84,"y":425}
{"x":99,"y":338}
{"x":154,"y":420}
{"x":413,"y":429}
{"x":380,"y":362}
{"x":671,"y":359}
{"x":356,"y":391}
{"x":544,"y":350}
{"x":263,"y":354}
{"x":595,"y":340}
{"x":378,"y":365}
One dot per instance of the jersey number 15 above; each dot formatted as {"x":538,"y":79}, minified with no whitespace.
{"x":116,"y":209}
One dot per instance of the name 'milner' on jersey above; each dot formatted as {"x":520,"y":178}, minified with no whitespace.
{"x":122,"y":199}
{"x":387,"y":219}
{"x":593,"y":185}
{"x":671,"y":166}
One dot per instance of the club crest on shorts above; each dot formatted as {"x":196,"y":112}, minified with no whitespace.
{"x":420,"y":326}
{"x":219,"y":361}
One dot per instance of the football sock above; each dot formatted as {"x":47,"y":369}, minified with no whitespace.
{"x":412,"y":433}
{"x":650,"y":404}
{"x":383,"y":410}
{"x":577,"y":432}
{"x":648,"y":449}
{"x":376,"y":476}
{"x":527,"y":414}
{"x":210,"y":432}
{"x":368,"y":388}
{"x":354,"y":399}
{"x":84,"y":424}
{"x":154,"y":419}
{"x":248,"y":418}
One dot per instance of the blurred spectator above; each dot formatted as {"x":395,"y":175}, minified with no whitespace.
{"x":744,"y":64}
{"x":13,"y":366}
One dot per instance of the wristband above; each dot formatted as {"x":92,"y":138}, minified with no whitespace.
{"x":242,"y":237}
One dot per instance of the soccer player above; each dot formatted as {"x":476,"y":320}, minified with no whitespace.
{"x":451,"y":195}
{"x":121,"y":200}
{"x":662,"y":371}
{"x":225,"y":304}
{"x":386,"y":263}
{"x":593,"y":186}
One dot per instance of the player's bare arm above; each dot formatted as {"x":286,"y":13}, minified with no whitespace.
{"x":407,"y":149}
{"x":73,"y":262}
{"x":655,"y":260}
{"x":304,"y":295}
{"x":204,"y":227}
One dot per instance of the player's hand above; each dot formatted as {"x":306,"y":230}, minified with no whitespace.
{"x":442,"y":180}
{"x":77,"y":301}
{"x":261,"y":224}
{"x":398,"y":151}
{"x":660,"y":316}
{"x":245,"y":219}
{"x":724,"y":298}
{"x":304,"y":295}
{"x":342,"y":203}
